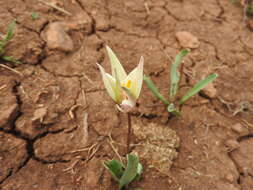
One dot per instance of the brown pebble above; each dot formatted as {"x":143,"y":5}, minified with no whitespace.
{"x":187,"y":39}
{"x":230,"y":178}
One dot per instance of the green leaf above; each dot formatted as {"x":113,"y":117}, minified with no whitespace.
{"x":11,"y":59}
{"x":197,"y":87}
{"x":10,"y":31}
{"x":116,"y":168}
{"x":7,"y":37}
{"x":174,"y":74}
{"x":130,"y":172}
{"x":139,"y":172}
{"x":154,"y":90}
{"x":171,"y":109}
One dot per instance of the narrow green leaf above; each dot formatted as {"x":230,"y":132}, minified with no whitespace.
{"x":197,"y":87}
{"x":130,"y":172}
{"x":11,"y":59}
{"x":154,"y":90}
{"x":116,"y":168}
{"x":10,"y":31}
{"x":174,"y":74}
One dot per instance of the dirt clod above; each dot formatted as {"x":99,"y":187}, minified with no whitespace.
{"x":12,"y":154}
{"x":187,"y":40}
{"x":8,"y":103}
{"x":57,"y":38}
{"x":59,"y":146}
{"x":244,"y":156}
{"x":210,"y":90}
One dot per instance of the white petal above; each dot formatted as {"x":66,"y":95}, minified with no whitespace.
{"x":116,"y":65}
{"x":136,"y":79}
{"x":109,"y":82}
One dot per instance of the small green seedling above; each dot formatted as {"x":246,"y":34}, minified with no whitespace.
{"x":125,"y":175}
{"x":4,"y":41}
{"x":174,"y":86}
{"x":35,"y":16}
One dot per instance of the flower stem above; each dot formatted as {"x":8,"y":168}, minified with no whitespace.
{"x":129,"y":132}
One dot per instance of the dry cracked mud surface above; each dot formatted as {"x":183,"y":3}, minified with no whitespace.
{"x":57,"y":124}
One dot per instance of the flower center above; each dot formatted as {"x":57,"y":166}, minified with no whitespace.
{"x":127,"y":84}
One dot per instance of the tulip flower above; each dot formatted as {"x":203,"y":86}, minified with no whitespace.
{"x":123,"y":89}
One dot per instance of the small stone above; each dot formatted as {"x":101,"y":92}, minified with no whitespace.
{"x":230,"y":178}
{"x":187,"y":40}
{"x":39,"y":114}
{"x":57,"y":38}
{"x":232,"y":144}
{"x":238,"y":128}
{"x":210,"y":90}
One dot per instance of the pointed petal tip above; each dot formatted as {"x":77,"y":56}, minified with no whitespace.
{"x":141,"y":62}
{"x":142,"y":59}
{"x":100,"y":67}
{"x":108,"y":49}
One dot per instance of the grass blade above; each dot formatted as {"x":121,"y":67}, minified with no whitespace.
{"x":130,"y":172}
{"x":7,"y":37}
{"x":154,"y":90}
{"x":10,"y":31}
{"x":174,"y":74}
{"x":10,"y":59}
{"x":197,"y":87}
{"x":116,"y":168}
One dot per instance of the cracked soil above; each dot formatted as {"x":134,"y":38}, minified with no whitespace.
{"x":57,"y":124}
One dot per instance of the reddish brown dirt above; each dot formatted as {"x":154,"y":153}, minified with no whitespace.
{"x":45,"y":141}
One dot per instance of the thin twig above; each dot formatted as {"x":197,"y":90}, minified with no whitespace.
{"x":55,"y":7}
{"x":115,"y":150}
{"x":13,"y":70}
